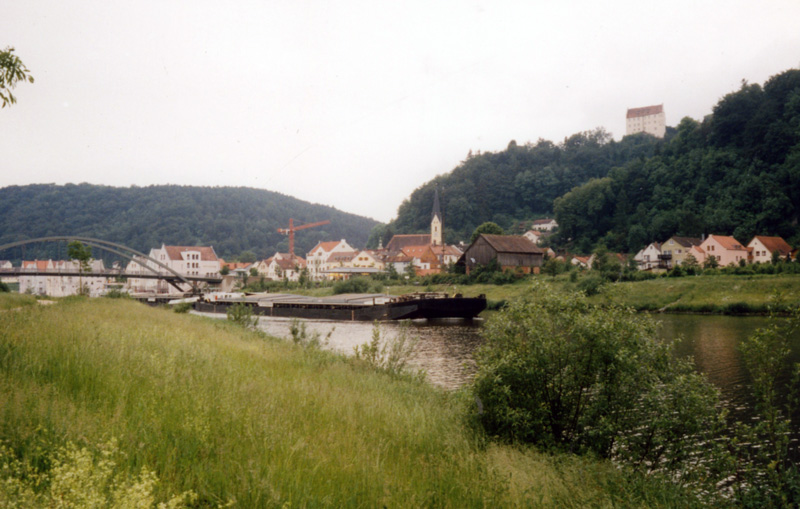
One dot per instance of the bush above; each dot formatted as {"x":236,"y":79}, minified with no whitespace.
{"x":558,"y":372}
{"x":241,"y":314}
{"x":183,"y":307}
{"x":357,"y":285}
{"x":3,"y":287}
{"x":591,"y":284}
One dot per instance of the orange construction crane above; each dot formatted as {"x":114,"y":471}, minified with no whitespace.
{"x":291,"y":229}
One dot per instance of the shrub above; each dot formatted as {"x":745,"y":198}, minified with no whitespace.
{"x":183,"y":307}
{"x":591,"y":284}
{"x":558,"y":372}
{"x":388,"y":353}
{"x":241,"y":314}
{"x":357,"y":285}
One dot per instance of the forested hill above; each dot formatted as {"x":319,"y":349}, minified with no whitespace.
{"x":736,"y":172}
{"x":232,"y":219}
{"x":517,"y":184}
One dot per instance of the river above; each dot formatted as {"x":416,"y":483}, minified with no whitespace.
{"x":445,"y":347}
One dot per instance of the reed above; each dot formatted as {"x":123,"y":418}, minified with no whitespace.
{"x":235,"y":416}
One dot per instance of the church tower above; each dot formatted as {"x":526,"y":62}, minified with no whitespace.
{"x":436,"y":221}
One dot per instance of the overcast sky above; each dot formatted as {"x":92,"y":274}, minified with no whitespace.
{"x":354,"y":104}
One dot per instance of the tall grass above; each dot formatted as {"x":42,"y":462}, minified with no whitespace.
{"x":15,"y":300}
{"x":238,"y":417}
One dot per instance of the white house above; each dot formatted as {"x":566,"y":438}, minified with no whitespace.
{"x":533,"y":235}
{"x":185,"y":260}
{"x":544,"y":225}
{"x":367,"y":258}
{"x":762,"y":248}
{"x":55,"y":284}
{"x":318,"y":258}
{"x":648,"y":258}
{"x":281,"y":266}
{"x":649,"y":119}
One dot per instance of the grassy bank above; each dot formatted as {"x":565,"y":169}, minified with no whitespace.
{"x":235,"y":416}
{"x":10,"y":300}
{"x":691,"y":294}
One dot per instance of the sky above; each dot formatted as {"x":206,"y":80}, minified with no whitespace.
{"x":355,"y":104}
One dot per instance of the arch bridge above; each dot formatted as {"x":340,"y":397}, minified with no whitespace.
{"x":169,"y":275}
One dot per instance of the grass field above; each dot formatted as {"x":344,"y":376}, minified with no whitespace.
{"x":10,"y":300}
{"x":240,"y":418}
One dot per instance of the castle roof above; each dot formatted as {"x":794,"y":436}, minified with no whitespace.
{"x":645,"y":111}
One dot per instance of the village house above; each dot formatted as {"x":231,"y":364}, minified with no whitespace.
{"x":763,"y":247}
{"x":726,"y":250}
{"x":676,"y":249}
{"x":650,"y":257}
{"x":649,"y":119}
{"x":368,"y":258}
{"x":534,"y":236}
{"x":5,"y":264}
{"x":511,"y":253}
{"x":57,"y":285}
{"x":544,"y":225}
{"x":584,"y":262}
{"x":185,"y":260}
{"x":281,"y":266}
{"x":317,"y":259}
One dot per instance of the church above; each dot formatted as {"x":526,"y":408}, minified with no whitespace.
{"x":428,"y":251}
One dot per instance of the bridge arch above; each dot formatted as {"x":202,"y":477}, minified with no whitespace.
{"x":111,"y":247}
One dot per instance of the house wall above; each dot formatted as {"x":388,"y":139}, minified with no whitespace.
{"x":724,"y":256}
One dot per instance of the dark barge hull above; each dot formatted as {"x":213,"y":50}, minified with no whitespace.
{"x":401,"y":309}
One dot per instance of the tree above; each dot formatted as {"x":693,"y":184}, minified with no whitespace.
{"x":76,"y":250}
{"x":487,"y":227}
{"x":559,"y":372}
{"x":225,"y":270}
{"x":12,"y":71}
{"x":247,"y":257}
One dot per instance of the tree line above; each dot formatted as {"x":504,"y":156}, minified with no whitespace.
{"x":231,"y":219}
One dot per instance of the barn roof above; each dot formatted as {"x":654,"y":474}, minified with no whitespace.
{"x":511,"y":244}
{"x":400,"y":242}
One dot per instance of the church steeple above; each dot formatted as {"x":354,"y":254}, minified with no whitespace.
{"x":436,"y":221}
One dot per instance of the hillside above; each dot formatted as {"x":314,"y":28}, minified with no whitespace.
{"x":517,"y":184}
{"x":737,"y":172}
{"x":232,"y":219}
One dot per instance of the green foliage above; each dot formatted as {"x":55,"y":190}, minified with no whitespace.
{"x":766,"y":475}
{"x":231,"y":219}
{"x":357,"y":285}
{"x":488,"y":228}
{"x":389,"y":353}
{"x":242,"y":315}
{"x":183,"y":307}
{"x":80,"y":477}
{"x":80,"y":252}
{"x":519,"y":183}
{"x":12,"y":71}
{"x":559,"y":372}
{"x":225,"y":270}
{"x":735,"y":173}
{"x":300,"y":335}
{"x":3,"y":287}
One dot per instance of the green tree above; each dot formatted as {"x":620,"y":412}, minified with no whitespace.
{"x":247,"y":257}
{"x":559,"y":372}
{"x":488,"y":228}
{"x":225,"y":270}
{"x":76,"y":250}
{"x":12,"y":71}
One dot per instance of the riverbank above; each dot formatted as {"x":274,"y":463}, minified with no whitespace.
{"x":730,"y":295}
{"x":234,"y":415}
{"x":11,"y":300}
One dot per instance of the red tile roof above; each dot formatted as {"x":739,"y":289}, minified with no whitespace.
{"x":645,"y":111}
{"x":207,"y":254}
{"x":400,"y":242}
{"x":729,"y":243}
{"x":774,"y":244}
{"x":325,"y":246}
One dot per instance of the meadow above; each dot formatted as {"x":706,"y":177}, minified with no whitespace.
{"x":241,"y":419}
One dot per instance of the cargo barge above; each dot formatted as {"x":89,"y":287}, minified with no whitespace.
{"x":349,"y":307}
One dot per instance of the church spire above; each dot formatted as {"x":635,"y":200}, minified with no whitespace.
{"x":436,"y":209}
{"x":436,"y":221}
